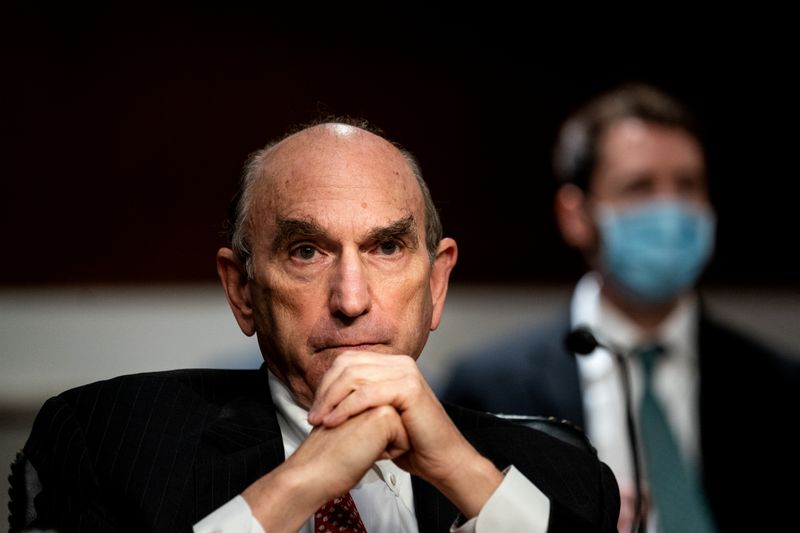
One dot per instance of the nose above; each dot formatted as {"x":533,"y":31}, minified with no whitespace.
{"x":350,"y":294}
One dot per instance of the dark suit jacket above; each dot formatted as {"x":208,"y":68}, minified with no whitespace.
{"x":159,"y":451}
{"x":749,"y":399}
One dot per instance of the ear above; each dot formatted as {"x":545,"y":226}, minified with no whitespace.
{"x":446,"y":256}
{"x":573,"y":218}
{"x":235,"y":282}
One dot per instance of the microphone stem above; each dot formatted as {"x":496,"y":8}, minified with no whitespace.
{"x":639,"y":519}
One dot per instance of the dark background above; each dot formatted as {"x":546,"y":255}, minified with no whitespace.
{"x":124,"y":130}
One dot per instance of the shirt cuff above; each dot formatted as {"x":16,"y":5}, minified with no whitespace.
{"x":233,"y":517}
{"x":516,"y":505}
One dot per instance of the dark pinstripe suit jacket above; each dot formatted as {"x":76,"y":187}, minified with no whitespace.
{"x":749,"y":397}
{"x":159,"y":451}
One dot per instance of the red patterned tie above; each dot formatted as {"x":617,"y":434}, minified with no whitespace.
{"x":339,"y":516}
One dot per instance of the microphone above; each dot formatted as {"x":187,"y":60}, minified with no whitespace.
{"x":582,"y":341}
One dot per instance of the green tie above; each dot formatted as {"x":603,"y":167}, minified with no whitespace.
{"x":675,"y":490}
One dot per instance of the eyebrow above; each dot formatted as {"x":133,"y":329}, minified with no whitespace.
{"x":293,"y":229}
{"x":404,"y":229}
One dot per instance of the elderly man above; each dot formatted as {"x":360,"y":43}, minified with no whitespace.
{"x":337,"y":265}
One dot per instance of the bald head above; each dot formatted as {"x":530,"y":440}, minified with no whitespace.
{"x":343,"y":155}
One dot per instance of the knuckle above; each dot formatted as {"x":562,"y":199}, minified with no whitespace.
{"x":348,"y":373}
{"x":408,"y":361}
{"x":359,"y":395}
{"x":413,"y":386}
{"x":384,"y":413}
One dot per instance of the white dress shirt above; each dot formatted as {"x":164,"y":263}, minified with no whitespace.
{"x":675,"y":378}
{"x":384,"y":496}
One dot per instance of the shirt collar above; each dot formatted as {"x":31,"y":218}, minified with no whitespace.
{"x":292,"y":417}
{"x":606,"y":321}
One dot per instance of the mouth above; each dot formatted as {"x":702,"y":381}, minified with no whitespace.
{"x":338,"y":348}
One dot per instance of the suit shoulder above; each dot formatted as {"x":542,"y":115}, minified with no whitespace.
{"x":752,"y":351}
{"x":202,"y":380}
{"x":150,"y":391}
{"x":145,"y":405}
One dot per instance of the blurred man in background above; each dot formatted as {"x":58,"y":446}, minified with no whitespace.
{"x":634,"y":200}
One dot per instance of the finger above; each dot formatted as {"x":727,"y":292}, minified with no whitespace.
{"x":346,"y":360}
{"x":355,"y":377}
{"x":337,"y":386}
{"x":362,"y":387}
{"x":397,"y":392}
{"x":340,"y":456}
{"x":339,"y":365}
{"x":352,"y":372}
{"x":399,"y":443}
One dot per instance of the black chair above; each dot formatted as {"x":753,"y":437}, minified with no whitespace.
{"x":561,"y":429}
{"x":23,"y":487}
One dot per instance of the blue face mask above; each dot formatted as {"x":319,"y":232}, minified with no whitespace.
{"x":655,"y":250}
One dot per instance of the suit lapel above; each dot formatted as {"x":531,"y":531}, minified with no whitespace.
{"x":563,"y":378}
{"x":240,"y":445}
{"x":553,"y":375}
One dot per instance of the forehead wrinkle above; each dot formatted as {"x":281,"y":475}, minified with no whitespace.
{"x":293,"y":165}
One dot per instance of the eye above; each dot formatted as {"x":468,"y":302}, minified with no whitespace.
{"x":306,"y":252}
{"x":389,"y":247}
{"x":690,"y":185}
{"x":639,"y":187}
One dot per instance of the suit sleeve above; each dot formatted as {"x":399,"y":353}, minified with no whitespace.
{"x":563,"y":519}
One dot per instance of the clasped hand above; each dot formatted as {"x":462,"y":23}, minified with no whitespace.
{"x":372,"y":406}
